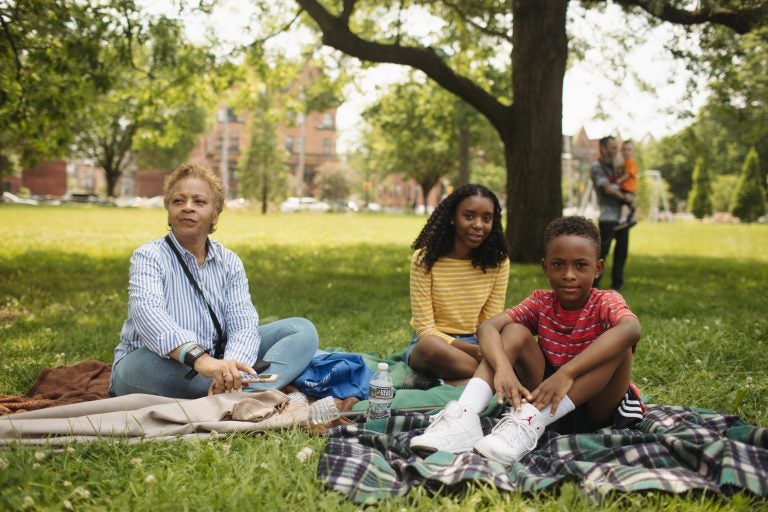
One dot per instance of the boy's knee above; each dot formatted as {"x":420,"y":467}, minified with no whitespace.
{"x":515,"y":335}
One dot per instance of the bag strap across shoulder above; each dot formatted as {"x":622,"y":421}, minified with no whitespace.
{"x":221,"y":342}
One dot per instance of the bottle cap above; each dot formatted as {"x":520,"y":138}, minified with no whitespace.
{"x":383,"y":366}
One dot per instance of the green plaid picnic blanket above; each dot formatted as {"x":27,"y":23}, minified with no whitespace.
{"x":673,"y":449}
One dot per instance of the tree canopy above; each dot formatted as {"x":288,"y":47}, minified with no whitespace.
{"x":50,"y":68}
{"x":526,"y":41}
{"x":102,"y":81}
{"x":729,"y":124}
{"x":427,"y":133}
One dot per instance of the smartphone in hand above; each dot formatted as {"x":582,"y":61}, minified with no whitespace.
{"x":258,"y":379}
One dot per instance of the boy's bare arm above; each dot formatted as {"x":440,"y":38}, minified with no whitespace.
{"x":607,"y":346}
{"x":489,"y":336}
{"x":502,"y":379}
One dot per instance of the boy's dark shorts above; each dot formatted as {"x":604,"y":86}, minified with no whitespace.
{"x":630,"y":411}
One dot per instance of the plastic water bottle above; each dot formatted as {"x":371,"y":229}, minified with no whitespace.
{"x":323,"y":411}
{"x":381,"y":391}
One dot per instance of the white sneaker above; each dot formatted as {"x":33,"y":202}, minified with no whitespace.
{"x":454,"y":429}
{"x":515,"y":435}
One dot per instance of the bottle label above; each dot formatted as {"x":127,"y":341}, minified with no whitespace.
{"x":380,"y":392}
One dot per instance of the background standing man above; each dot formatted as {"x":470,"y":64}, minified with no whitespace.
{"x":610,"y":198}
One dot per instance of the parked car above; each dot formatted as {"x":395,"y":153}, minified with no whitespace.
{"x":303,"y":204}
{"x":13,"y":198}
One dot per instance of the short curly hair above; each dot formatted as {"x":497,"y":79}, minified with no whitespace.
{"x":437,"y":237}
{"x":573,"y":225}
{"x":200,"y":172}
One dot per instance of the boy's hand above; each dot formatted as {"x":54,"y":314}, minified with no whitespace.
{"x":508,"y":386}
{"x":551,"y":391}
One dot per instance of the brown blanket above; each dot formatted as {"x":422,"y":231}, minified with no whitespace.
{"x":82,"y":382}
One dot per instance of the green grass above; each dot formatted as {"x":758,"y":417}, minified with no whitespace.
{"x":698,"y":289}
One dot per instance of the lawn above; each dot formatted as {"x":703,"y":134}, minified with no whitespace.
{"x":698,"y":289}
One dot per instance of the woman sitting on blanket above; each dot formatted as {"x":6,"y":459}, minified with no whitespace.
{"x":191,"y":327}
{"x":459,"y":274}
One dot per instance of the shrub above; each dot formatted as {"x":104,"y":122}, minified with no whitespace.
{"x":700,"y":197}
{"x":749,"y":201}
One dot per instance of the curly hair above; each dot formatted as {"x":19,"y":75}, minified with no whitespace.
{"x":200,"y":172}
{"x":437,"y":237}
{"x":574,"y":225}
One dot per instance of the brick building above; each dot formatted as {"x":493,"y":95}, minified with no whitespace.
{"x":309,"y":139}
{"x":395,"y":191}
{"x":46,"y":179}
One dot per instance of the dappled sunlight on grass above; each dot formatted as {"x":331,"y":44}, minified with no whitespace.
{"x":698,"y":290}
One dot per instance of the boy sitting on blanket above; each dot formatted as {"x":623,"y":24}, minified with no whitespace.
{"x":579,"y":366}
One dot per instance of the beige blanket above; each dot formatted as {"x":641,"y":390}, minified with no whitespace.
{"x":140,"y":417}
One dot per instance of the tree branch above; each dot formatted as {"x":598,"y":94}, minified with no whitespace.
{"x":337,"y":34}
{"x":346,"y":12}
{"x":482,"y":28}
{"x":15,"y":51}
{"x":276,"y":33}
{"x":740,"y":20}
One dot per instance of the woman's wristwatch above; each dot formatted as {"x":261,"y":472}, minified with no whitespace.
{"x":190,"y":353}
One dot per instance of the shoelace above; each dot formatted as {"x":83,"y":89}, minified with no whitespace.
{"x":512,"y":430}
{"x":437,"y":418}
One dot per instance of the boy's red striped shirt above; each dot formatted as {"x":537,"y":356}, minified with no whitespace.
{"x":564,"y":334}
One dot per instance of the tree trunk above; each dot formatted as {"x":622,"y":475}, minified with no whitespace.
{"x":463,"y":154}
{"x":426,"y":187}
{"x":113,"y":176}
{"x":264,"y":190}
{"x":532,"y":146}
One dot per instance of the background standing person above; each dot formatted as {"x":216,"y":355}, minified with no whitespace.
{"x":627,"y":182}
{"x":183,"y":340}
{"x":459,"y":273}
{"x":610,"y":198}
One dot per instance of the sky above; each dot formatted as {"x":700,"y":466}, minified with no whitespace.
{"x":626,"y":109}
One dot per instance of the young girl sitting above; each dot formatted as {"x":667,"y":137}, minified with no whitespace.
{"x":459,"y":274}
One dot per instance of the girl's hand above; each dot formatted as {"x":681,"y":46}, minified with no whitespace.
{"x":508,"y":386}
{"x":552,"y":391}
{"x":225,"y":373}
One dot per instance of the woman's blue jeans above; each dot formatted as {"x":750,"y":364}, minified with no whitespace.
{"x":288,"y":344}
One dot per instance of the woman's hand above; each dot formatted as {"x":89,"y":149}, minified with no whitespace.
{"x":552,"y":391}
{"x":225,"y":373}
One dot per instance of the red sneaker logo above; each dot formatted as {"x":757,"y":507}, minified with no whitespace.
{"x":528,"y":419}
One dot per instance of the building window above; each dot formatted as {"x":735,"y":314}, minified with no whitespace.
{"x":234,"y":143}
{"x":327,"y":147}
{"x":289,"y":144}
{"x":327,"y":123}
